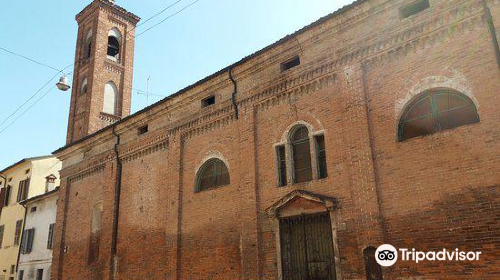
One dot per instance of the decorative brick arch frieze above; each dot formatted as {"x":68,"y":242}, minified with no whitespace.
{"x":301,"y":202}
{"x":137,"y":149}
{"x":442,"y":78}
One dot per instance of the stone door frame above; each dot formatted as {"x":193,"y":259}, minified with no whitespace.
{"x":324,"y":203}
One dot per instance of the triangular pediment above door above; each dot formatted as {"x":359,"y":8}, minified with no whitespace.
{"x":300,"y":202}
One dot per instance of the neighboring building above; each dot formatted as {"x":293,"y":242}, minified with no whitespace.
{"x":23,"y":180}
{"x":37,"y":241}
{"x":377,"y":124}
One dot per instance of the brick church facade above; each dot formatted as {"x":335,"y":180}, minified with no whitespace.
{"x":378,"y":124}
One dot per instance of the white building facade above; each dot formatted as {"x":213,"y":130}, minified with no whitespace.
{"x":36,"y":246}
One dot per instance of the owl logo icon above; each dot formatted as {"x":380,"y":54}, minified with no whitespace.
{"x":386,"y":255}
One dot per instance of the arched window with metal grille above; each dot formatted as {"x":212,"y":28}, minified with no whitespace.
{"x":212,"y":174}
{"x":301,"y":152}
{"x":436,"y":110}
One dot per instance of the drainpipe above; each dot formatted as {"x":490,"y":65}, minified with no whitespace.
{"x":116,"y":214}
{"x":235,"y":91}
{"x":371,"y":137}
{"x":21,"y":237}
{"x":491,"y":28}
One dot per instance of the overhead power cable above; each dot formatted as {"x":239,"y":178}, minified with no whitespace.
{"x":167,"y":18}
{"x":27,"y":109}
{"x":32,"y":96}
{"x":157,"y":14}
{"x":29,"y":99}
{"x":142,"y":92}
{"x":30,"y":59}
{"x":62,"y":71}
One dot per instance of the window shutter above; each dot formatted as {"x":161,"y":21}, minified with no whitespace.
{"x":31,"y":236}
{"x":20,"y":191}
{"x":321,"y":156}
{"x":3,"y":193}
{"x":26,"y":188}
{"x":17,"y":233}
{"x":51,"y":237}
{"x":280,"y":151}
{"x":6,"y":200}
{"x":1,"y":234}
{"x":23,"y":242}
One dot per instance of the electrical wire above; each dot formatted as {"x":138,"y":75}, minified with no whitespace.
{"x":142,"y":92}
{"x":167,"y":18}
{"x":157,"y":14}
{"x":61,"y":71}
{"x":35,"y":94}
{"x":29,"y":59}
{"x":29,"y":99}
{"x":27,"y":109}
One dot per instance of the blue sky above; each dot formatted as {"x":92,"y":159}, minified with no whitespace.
{"x":197,"y":42}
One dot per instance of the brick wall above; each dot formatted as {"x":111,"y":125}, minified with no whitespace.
{"x":358,"y":70}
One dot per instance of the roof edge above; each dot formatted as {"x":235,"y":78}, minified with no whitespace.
{"x":227,"y":68}
{"x":35,"y":198}
{"x":23,"y":161}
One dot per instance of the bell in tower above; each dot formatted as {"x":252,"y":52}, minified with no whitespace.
{"x":102,"y":79}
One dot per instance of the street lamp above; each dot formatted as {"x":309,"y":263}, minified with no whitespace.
{"x":63,"y":84}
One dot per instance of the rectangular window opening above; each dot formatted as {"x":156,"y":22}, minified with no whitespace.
{"x":33,"y":209}
{"x":208,"y":101}
{"x":290,"y":64}
{"x":143,"y":130}
{"x":280,"y":151}
{"x":20,"y":276}
{"x":321,"y":156}
{"x":39,"y":274}
{"x":414,"y":8}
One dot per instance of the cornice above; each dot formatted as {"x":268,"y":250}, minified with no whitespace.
{"x":86,"y":168}
{"x":432,"y":30}
{"x":87,"y":173}
{"x":142,"y":147}
{"x":108,"y":7}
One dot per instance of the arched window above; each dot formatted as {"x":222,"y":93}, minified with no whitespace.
{"x":97,"y":217}
{"x":301,"y":153}
{"x":114,"y":38}
{"x":84,"y":87}
{"x":436,"y":110}
{"x":95,"y":236}
{"x":212,"y":173}
{"x":110,"y":94}
{"x":88,"y":45}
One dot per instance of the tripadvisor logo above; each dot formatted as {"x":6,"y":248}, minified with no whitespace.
{"x":387,"y":255}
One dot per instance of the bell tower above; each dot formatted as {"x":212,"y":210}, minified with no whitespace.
{"x":102,"y":77}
